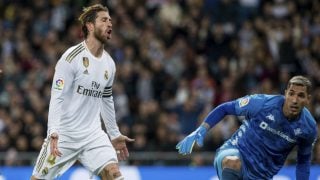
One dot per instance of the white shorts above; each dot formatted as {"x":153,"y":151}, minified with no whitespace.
{"x":94,"y":153}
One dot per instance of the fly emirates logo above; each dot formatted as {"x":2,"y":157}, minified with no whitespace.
{"x":93,"y":92}
{"x":264,"y":125}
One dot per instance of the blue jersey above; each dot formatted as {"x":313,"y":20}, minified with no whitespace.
{"x":266,"y":136}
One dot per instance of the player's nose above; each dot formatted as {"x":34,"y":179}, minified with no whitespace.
{"x":109,"y":24}
{"x":294,"y":99}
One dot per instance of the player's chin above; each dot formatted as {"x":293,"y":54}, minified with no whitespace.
{"x":105,"y":40}
{"x":295,"y":113}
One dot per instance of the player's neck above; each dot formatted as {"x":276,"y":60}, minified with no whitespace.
{"x":95,"y":47}
{"x":289,"y":116}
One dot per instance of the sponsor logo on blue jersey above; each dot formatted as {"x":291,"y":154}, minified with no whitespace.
{"x":263,"y":125}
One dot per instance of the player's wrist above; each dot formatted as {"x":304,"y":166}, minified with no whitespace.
{"x":54,"y":135}
{"x":114,"y":135}
{"x":205,"y":125}
{"x":202,"y":129}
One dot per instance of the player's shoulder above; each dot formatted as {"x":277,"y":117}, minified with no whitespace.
{"x":71,"y":53}
{"x":266,"y":98}
{"x":259,"y":101}
{"x":307,"y":125}
{"x":108,"y":57}
{"x":308,"y":120}
{"x":273,"y":100}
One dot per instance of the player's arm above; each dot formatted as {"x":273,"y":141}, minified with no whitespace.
{"x":109,"y":118}
{"x":107,"y":107}
{"x":216,"y":115}
{"x":108,"y":114}
{"x":62,"y":82}
{"x":245,"y":106}
{"x":304,"y":158}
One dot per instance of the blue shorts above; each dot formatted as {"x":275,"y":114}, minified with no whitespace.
{"x":220,"y":155}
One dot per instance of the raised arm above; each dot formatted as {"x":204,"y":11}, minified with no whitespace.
{"x":217,"y":114}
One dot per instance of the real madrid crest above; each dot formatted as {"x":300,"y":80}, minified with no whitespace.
{"x":85,"y":62}
{"x":106,"y":76}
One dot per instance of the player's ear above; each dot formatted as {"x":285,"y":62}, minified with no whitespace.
{"x":90,"y":26}
{"x":309,"y":98}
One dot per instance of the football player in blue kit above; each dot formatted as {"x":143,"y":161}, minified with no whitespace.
{"x":273,"y":126}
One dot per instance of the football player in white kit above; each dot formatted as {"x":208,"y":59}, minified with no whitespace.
{"x":81,"y":94}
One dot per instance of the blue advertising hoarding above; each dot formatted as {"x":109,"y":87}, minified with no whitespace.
{"x":148,"y":173}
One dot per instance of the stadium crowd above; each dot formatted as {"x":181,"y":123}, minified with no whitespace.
{"x":176,"y":60}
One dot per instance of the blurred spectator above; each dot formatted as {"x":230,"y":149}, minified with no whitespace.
{"x":188,"y":114}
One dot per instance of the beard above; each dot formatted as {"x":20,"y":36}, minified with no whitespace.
{"x":98,"y":35}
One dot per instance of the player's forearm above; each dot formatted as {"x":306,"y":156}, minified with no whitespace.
{"x":54,"y":113}
{"x":303,"y":162}
{"x":303,"y":171}
{"x":217,"y":114}
{"x":109,"y":118}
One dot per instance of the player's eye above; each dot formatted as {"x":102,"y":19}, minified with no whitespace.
{"x":301,"y":95}
{"x":291,"y":93}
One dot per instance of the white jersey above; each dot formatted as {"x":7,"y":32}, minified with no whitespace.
{"x":81,"y":91}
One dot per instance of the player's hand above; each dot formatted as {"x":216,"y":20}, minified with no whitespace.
{"x":120,"y":146}
{"x":54,"y":145}
{"x":185,"y":146}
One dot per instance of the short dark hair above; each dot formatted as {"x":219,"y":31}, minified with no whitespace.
{"x":300,"y":81}
{"x":89,"y":14}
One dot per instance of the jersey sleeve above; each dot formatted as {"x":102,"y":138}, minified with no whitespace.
{"x":61,"y":85}
{"x":217,"y":114}
{"x":108,"y":111}
{"x":305,"y":147}
{"x":249,"y":105}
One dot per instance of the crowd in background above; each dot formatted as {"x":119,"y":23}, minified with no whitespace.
{"x":176,"y":60}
